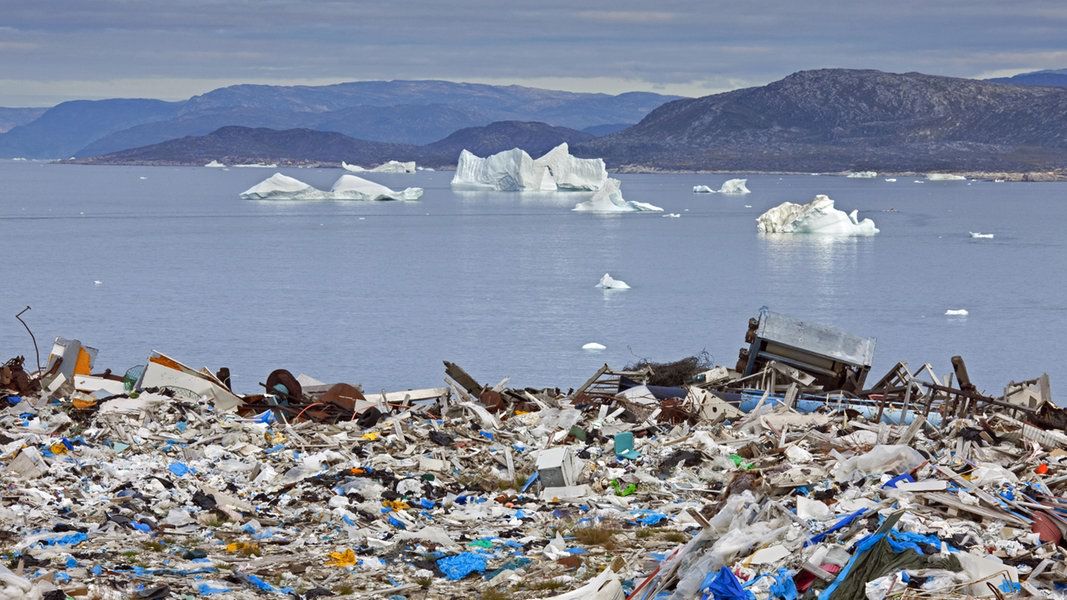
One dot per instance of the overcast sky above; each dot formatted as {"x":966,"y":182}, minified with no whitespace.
{"x":58,"y":50}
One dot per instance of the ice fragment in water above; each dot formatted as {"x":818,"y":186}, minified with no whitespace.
{"x":515,"y":171}
{"x":593,"y":346}
{"x":956,"y":312}
{"x":608,"y":199}
{"x":818,"y":216}
{"x":610,"y":283}
{"x":730,"y":186}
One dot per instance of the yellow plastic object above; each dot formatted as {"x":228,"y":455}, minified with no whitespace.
{"x":344,"y":559}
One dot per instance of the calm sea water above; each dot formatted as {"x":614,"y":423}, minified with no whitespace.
{"x":503,"y":284}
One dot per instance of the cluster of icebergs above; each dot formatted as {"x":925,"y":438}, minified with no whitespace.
{"x":862,"y":175}
{"x":944,"y":177}
{"x":393,"y":166}
{"x":730,"y":186}
{"x":818,"y":216}
{"x":347,"y":187}
{"x":516,"y":171}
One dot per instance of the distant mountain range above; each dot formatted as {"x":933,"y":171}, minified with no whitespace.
{"x":822,"y":120}
{"x":246,"y":145}
{"x":838,"y":119}
{"x":13,"y":117}
{"x":411,"y":112}
{"x":1054,"y":78}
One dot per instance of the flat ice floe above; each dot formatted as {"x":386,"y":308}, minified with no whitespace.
{"x":594,"y":347}
{"x":515,"y":171}
{"x":257,"y":166}
{"x":980,"y":236}
{"x":347,"y":187}
{"x":282,"y":187}
{"x":944,"y":177}
{"x":608,"y":199}
{"x":215,"y":165}
{"x":818,"y":217}
{"x":608,"y":282}
{"x":862,"y":175}
{"x":956,"y":312}
{"x":393,"y":166}
{"x":350,"y":187}
{"x":730,"y":186}
{"x":890,"y":179}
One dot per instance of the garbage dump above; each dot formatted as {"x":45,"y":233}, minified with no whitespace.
{"x":787,"y":476}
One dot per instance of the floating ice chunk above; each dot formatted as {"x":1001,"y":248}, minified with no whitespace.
{"x":608,"y":199}
{"x":956,"y":312}
{"x":347,"y":187}
{"x":142,"y":178}
{"x":944,"y":177}
{"x":515,"y":171}
{"x":862,"y":175}
{"x":672,"y":216}
{"x":891,"y":179}
{"x":980,"y":236}
{"x":350,"y":187}
{"x":98,"y":283}
{"x":215,"y":165}
{"x":393,"y":166}
{"x":610,"y":283}
{"x":594,"y":347}
{"x":730,"y":186}
{"x":748,"y":206}
{"x":734,"y":187}
{"x":818,"y":216}
{"x":282,"y":187}
{"x":258,"y":166}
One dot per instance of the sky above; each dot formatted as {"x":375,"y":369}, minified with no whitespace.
{"x":55,"y":50}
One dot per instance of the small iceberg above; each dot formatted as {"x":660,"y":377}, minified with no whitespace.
{"x":818,"y":216}
{"x":608,"y":199}
{"x":977,"y":235}
{"x":594,"y":347}
{"x":956,"y":312}
{"x":608,"y":282}
{"x":516,"y":171}
{"x":862,"y":175}
{"x":282,"y":187}
{"x":393,"y":166}
{"x":215,"y":165}
{"x":731,"y":186}
{"x":347,"y":187}
{"x":890,"y":179}
{"x":257,"y":166}
{"x":944,"y":177}
{"x":672,"y":216}
{"x":350,"y":187}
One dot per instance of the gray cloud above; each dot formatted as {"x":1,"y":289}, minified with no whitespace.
{"x":53,"y":50}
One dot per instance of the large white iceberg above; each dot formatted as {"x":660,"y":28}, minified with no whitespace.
{"x":862,"y":175}
{"x":515,"y":171}
{"x":347,"y":187}
{"x":350,"y":187}
{"x":393,"y":166}
{"x":818,"y":216}
{"x":215,"y":164}
{"x":944,"y":177}
{"x":730,"y":186}
{"x":282,"y":187}
{"x":608,"y":199}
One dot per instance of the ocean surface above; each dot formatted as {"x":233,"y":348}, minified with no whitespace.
{"x":379,"y":294}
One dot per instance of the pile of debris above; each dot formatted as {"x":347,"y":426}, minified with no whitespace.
{"x":785,"y":477}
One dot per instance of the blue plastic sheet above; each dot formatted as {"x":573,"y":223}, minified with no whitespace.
{"x":179,"y":469}
{"x":726,"y":586}
{"x":841,"y":524}
{"x":460,"y":565}
{"x":783,"y":587}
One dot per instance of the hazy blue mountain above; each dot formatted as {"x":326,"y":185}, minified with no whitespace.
{"x":416,"y":112}
{"x":608,"y":129}
{"x":13,"y":117}
{"x":236,"y":145}
{"x":1051,"y":78}
{"x":66,"y":128}
{"x":535,"y":138}
{"x":242,"y":145}
{"x":838,"y":119}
